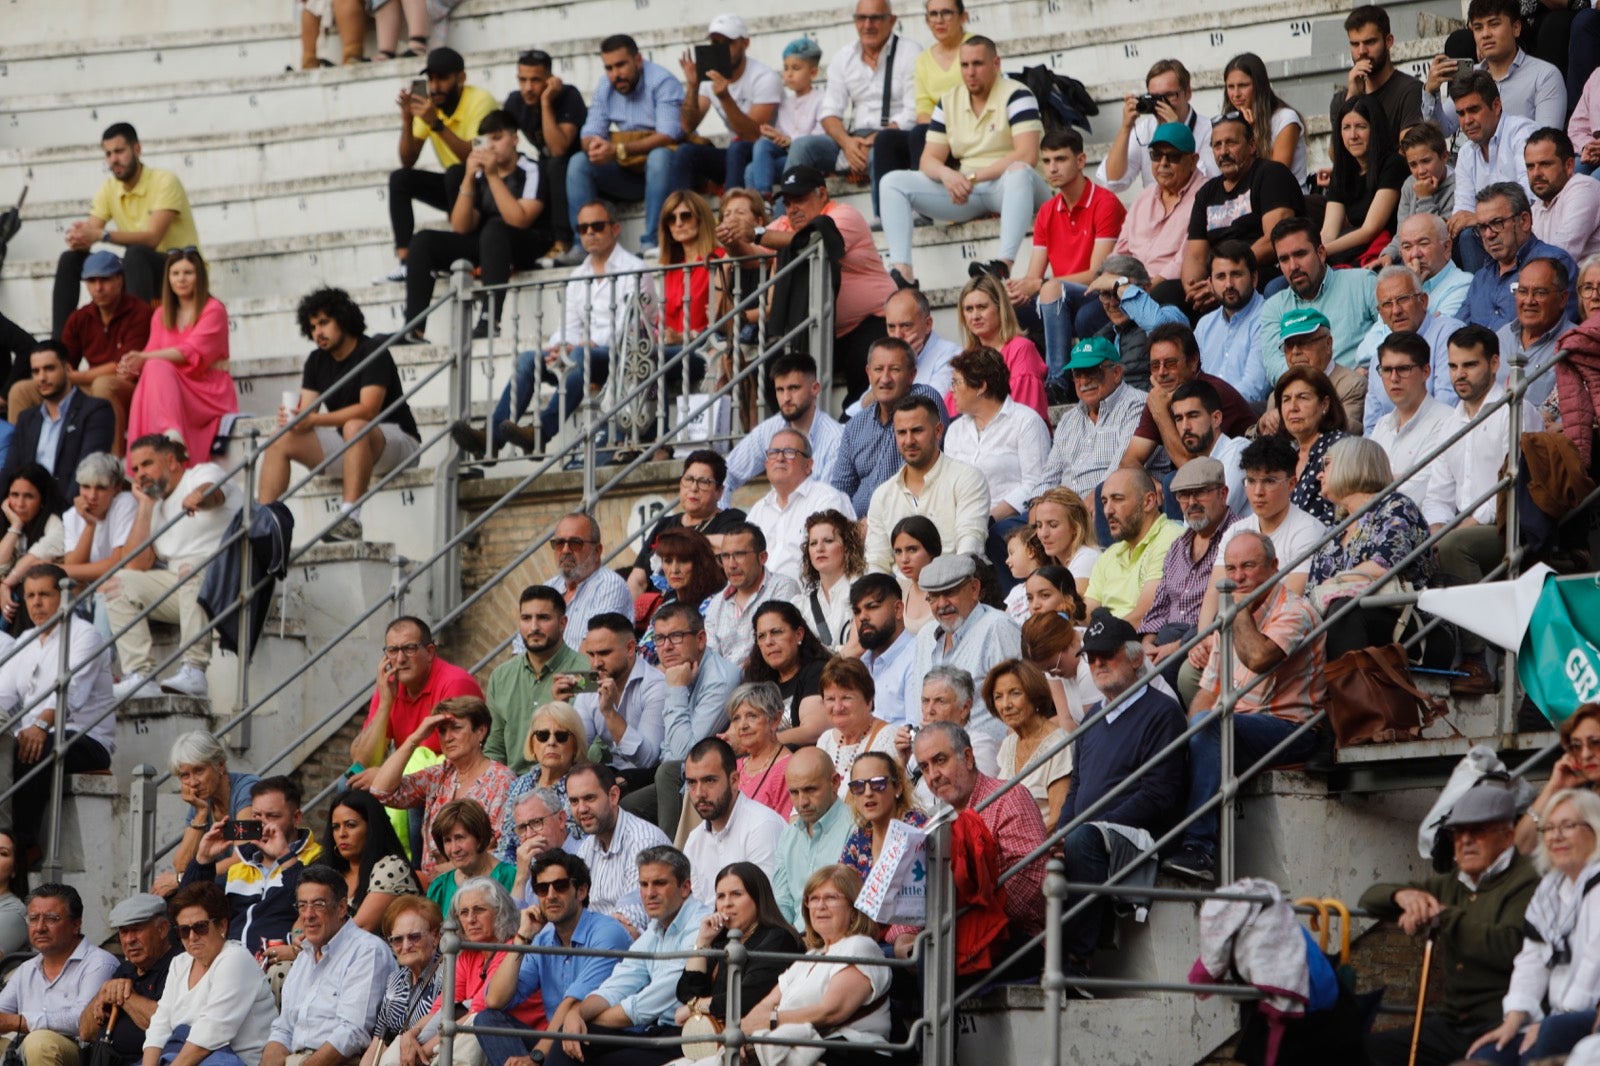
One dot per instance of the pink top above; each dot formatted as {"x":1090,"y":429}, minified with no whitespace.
{"x":1586,"y":114}
{"x":1027,"y":378}
{"x":768,"y":787}
{"x":191,"y":396}
{"x":864,"y":282}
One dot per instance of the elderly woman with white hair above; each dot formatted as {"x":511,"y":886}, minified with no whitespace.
{"x":200,"y":763}
{"x":1355,"y":472}
{"x":1555,"y":980}
{"x":755,"y":715}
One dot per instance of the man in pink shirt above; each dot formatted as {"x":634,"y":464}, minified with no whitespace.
{"x":1158,"y":219}
{"x":864,"y":284}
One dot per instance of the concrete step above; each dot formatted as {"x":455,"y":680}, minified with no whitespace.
{"x":63,"y":31}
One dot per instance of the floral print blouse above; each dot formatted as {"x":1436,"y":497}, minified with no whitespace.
{"x":1384,"y":535}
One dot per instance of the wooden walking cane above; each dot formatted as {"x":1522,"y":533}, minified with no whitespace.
{"x":1422,"y":992}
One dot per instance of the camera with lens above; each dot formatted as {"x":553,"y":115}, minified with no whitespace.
{"x":1146,"y":104}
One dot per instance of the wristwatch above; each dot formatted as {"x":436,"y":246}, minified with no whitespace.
{"x":772,"y":1023}
{"x":758,"y":233}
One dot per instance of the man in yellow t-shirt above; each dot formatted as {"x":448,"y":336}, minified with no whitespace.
{"x":149,"y":215}
{"x":446,"y":118}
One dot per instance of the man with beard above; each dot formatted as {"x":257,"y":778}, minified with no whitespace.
{"x":1566,"y":205}
{"x":1227,"y":334}
{"x":743,"y":557}
{"x":1373,"y":73}
{"x":887,"y":648}
{"x":1174,"y":363}
{"x":1403,"y":307}
{"x":520,"y":686}
{"x":1196,"y":413}
{"x":612,"y":842}
{"x":588,"y":588}
{"x":447,"y":118}
{"x":951,"y":494}
{"x":1344,"y":297}
{"x":869,"y":456}
{"x":550,"y":113}
{"x":1505,"y":224}
{"x":733,"y":827}
{"x":1125,"y":576}
{"x":794,"y":380}
{"x":1244,"y":202}
{"x":332,"y":321}
{"x":625,"y":710}
{"x":150,"y":213}
{"x":66,"y":425}
{"x":966,"y":632}
{"x":1202,"y":491}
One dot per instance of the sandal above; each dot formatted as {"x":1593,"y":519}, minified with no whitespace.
{"x":384,"y":55}
{"x":413,"y":50}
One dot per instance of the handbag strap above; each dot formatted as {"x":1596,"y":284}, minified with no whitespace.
{"x":824,"y":633}
{"x":888,"y":87}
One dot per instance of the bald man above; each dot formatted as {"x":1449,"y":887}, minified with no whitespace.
{"x":817,"y":835}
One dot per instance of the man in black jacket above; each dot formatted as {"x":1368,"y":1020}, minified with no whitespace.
{"x":68,"y":425}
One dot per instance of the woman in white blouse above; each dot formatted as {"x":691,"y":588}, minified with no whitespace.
{"x":1005,"y":440}
{"x":97,"y":523}
{"x":834,"y":557}
{"x":1067,"y":532}
{"x":216,"y":1008}
{"x":1279,"y":129}
{"x":1559,"y":964}
{"x":1018,"y":694}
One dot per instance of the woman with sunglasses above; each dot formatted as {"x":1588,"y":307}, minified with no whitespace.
{"x":847,"y":695}
{"x":1020,"y":696}
{"x":1578,"y":767}
{"x":464,"y":836}
{"x":216,"y":998}
{"x":411,"y":926}
{"x":181,"y":379}
{"x":789,"y":655}
{"x":878,"y":794}
{"x":365,"y":849}
{"x":688,"y":239}
{"x":556,"y":744}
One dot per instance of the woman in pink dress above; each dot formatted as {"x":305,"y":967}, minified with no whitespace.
{"x":181,"y":379}
{"x":988,"y":321}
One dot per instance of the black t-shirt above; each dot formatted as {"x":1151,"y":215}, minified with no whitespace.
{"x":322,"y":370}
{"x":530,"y":120}
{"x":720,"y":522}
{"x":1392,"y":174}
{"x":523,"y":182}
{"x":1220,"y":214}
{"x":808,"y":682}
{"x":1400,"y":100}
{"x":126,"y":1036}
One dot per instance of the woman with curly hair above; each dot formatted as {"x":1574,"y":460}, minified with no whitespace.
{"x":835,"y":556}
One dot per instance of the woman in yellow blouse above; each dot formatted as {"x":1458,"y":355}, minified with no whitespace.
{"x":937,"y":72}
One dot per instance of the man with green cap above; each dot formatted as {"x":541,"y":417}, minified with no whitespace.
{"x":1307,"y":340}
{"x":1346,"y":298}
{"x":1091,"y":436}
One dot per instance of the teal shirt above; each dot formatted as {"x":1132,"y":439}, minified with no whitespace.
{"x":515,"y":691}
{"x":1349,"y":299}
{"x":802,"y":853}
{"x":442,"y":890}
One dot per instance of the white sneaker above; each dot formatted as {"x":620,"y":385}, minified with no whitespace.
{"x":397,"y":274}
{"x":135,"y":687}
{"x":189,"y":681}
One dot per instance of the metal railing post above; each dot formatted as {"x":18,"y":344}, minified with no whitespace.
{"x":732,"y":1035}
{"x":239,"y":739}
{"x":447,"y":584}
{"x":938,"y":964}
{"x":1055,"y":978}
{"x":397,"y":583}
{"x":58,"y":770}
{"x":1228,"y":782}
{"x":1516,"y":383}
{"x":450,"y":948}
{"x":142,"y":813}
{"x":587,"y":410}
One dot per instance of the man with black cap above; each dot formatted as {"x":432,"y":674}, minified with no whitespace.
{"x":1477,"y":912}
{"x":446,"y":118}
{"x":97,"y":335}
{"x":135,"y":988}
{"x":1124,"y":744}
{"x":966,"y":633}
{"x":864,"y":284}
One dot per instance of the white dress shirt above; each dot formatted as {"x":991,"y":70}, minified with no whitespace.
{"x":1405,"y":444}
{"x":1472,"y":464}
{"x":986,"y":637}
{"x":592,"y":307}
{"x":749,"y":457}
{"x":28,"y":682}
{"x":1009,"y":452}
{"x":1503,"y":162}
{"x":854,"y":93}
{"x":955,"y":498}
{"x":334,"y":999}
{"x":784,"y":524}
{"x":750,"y":834}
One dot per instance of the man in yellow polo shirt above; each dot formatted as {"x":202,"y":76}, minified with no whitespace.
{"x":446,"y":118}
{"x":1124,"y":579}
{"x":990,"y":126}
{"x":149,"y":215}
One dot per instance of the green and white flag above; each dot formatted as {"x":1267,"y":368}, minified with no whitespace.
{"x":1559,"y":662}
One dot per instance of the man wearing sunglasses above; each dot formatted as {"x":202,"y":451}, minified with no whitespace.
{"x":559,"y":916}
{"x":145,"y":936}
{"x":1168,"y":91}
{"x":588,"y":588}
{"x":520,"y":686}
{"x":43,"y":1011}
{"x":339,"y":963}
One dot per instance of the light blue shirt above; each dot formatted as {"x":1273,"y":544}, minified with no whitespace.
{"x":656,"y":103}
{"x":1447,"y":290}
{"x":647,"y":989}
{"x":557,"y":977}
{"x":803,"y":850}
{"x":601,"y":592}
{"x":1537,"y":355}
{"x":698,"y":710}
{"x":899,"y":694}
{"x":1436,"y":330}
{"x":50,"y":431}
{"x":1349,"y":301}
{"x":1145,"y":312}
{"x":641,"y":704}
{"x":984,"y":638}
{"x":56,"y":1005}
{"x":334,"y":1000}
{"x":1228,"y":350}
{"x":1532,"y":89}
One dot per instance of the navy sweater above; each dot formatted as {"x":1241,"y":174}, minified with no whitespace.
{"x":1108,"y":753}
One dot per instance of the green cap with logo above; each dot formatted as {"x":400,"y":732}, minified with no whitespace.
{"x":1301,"y":321}
{"x":1091,"y":352}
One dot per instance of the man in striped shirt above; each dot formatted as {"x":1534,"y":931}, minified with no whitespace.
{"x":588,"y":588}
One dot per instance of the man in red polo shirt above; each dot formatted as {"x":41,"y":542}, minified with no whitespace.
{"x":1073,"y":232}
{"x":412,"y":680}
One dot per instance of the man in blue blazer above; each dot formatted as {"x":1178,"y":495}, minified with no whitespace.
{"x":68,"y":425}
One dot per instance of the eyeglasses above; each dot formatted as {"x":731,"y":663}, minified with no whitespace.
{"x":728,"y":557}
{"x":407,"y":650}
{"x":531,"y":824}
{"x":858,"y":786}
{"x":321,"y":906}
{"x":690,"y":481}
{"x":1390,"y":305}
{"x":559,"y":886}
{"x":592,"y":227}
{"x":400,"y":940}
{"x":200,"y":928}
{"x":673,"y":640}
{"x":1495,"y":225}
{"x":543,"y":735}
{"x":1565,"y":829}
{"x":1591,"y":289}
{"x":830,"y":898}
{"x":873,"y":19}
{"x":1578,"y":744}
{"x":568,"y":544}
{"x":790,"y":454}
{"x":1401,"y":371}
{"x":45,"y":919}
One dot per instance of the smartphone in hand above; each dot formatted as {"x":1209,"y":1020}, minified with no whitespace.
{"x":241,"y":829}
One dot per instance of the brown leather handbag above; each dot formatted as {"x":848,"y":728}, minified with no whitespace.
{"x":1372,"y":699}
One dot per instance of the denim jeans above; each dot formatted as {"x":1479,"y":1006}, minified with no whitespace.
{"x":222,"y":1056}
{"x":696,"y":164}
{"x":1015,"y":196}
{"x":767,"y":164}
{"x":1060,"y":325}
{"x":815,"y":150}
{"x":587,"y":182}
{"x":497,"y":1049}
{"x":1253,"y":736}
{"x":571,"y":388}
{"x":518,"y":393}
{"x":1558,"y":1034}
{"x":1087,"y":862}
